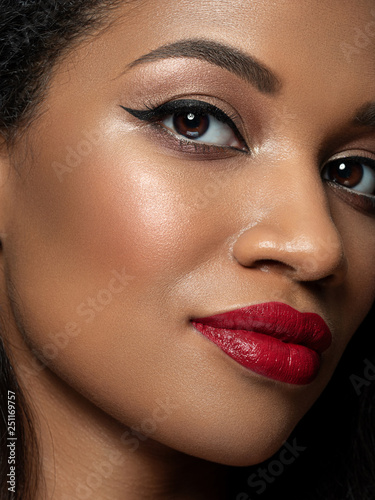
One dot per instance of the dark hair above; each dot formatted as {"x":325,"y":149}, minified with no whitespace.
{"x":337,"y":433}
{"x":34,"y":34}
{"x":26,"y":463}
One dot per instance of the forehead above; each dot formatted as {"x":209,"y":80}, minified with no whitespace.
{"x":322,"y":52}
{"x":298,"y":39}
{"x":264,"y":26}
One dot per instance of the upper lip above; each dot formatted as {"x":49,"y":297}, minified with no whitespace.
{"x":278,"y":320}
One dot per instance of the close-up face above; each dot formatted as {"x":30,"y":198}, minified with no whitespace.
{"x":193,"y":159}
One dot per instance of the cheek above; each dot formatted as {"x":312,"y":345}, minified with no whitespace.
{"x":91,"y":256}
{"x":100,"y":246}
{"x":354,"y":299}
{"x":110,"y":211}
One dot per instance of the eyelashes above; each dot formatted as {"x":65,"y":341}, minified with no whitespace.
{"x":196,"y":123}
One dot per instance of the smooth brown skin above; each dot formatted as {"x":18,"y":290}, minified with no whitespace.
{"x":272,"y":230}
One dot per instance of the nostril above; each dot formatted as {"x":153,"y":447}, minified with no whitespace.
{"x":325,"y":269}
{"x":268,"y":265}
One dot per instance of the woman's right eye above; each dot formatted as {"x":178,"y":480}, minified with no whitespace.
{"x":355,"y":173}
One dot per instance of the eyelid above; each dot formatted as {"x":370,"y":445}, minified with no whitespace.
{"x":362,"y":202}
{"x":350,"y":153}
{"x":155,"y":114}
{"x":152,"y":113}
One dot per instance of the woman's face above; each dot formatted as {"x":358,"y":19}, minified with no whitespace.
{"x":122,"y":226}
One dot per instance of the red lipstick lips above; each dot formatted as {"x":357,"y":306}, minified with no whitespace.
{"x":271,"y":339}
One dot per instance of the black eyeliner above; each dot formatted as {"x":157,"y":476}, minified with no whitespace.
{"x":184,"y":106}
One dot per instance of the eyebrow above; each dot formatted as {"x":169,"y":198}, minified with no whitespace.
{"x":219,"y":54}
{"x":366,"y":115}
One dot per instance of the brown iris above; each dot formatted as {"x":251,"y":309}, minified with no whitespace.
{"x":348,"y":173}
{"x":191,"y":125}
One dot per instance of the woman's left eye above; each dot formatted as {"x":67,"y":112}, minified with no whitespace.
{"x":356,"y":173}
{"x":195,"y":121}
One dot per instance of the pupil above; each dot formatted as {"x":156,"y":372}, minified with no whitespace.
{"x":345,"y":171}
{"x":191,"y":125}
{"x":349,"y":173}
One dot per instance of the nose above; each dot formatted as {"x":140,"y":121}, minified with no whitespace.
{"x":296,"y":236}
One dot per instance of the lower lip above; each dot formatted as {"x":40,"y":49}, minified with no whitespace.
{"x":265,"y":355}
